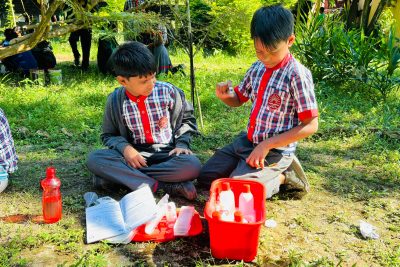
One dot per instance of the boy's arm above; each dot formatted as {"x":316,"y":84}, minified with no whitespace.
{"x":188,"y":127}
{"x":183,"y":121}
{"x":111,"y":135}
{"x":301,"y":131}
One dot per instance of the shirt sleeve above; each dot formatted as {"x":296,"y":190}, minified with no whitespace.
{"x":302,"y":87}
{"x":244,"y":89}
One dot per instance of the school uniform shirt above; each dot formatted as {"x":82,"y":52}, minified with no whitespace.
{"x":8,"y":156}
{"x":148,"y":117}
{"x":281,"y":98}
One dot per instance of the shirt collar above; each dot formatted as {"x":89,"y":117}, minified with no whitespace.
{"x":135,"y":98}
{"x":283,"y":63}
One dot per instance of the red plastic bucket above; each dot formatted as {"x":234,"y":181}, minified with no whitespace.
{"x":235,"y":240}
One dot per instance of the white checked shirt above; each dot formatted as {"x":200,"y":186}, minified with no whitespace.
{"x":148,"y":118}
{"x":281,"y":97}
{"x":8,"y":156}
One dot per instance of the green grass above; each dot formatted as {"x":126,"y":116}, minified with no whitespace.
{"x":353,"y":164}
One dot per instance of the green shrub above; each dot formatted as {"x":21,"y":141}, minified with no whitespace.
{"x":336,"y":54}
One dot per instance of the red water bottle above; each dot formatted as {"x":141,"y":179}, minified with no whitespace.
{"x":51,"y":199}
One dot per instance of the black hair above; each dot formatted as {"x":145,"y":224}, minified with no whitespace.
{"x":10,"y":34}
{"x":321,"y":9}
{"x":132,"y":59}
{"x":272,"y":25}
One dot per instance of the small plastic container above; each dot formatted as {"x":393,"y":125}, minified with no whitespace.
{"x":226,"y":203}
{"x":235,"y":240}
{"x":246,"y":204}
{"x":171,"y":214}
{"x":184,"y":220}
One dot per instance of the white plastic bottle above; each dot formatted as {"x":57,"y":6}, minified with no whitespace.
{"x":227,"y":203}
{"x":246,"y":204}
{"x":171,"y":214}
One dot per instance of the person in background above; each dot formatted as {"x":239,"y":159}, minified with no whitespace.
{"x":85,"y":36}
{"x":321,"y":16}
{"x":284,"y":110}
{"x":22,"y":62}
{"x":147,"y":128}
{"x":8,"y":156}
{"x":43,"y":53}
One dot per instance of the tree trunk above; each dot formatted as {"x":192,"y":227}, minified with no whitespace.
{"x":352,"y":16}
{"x":374,"y":17}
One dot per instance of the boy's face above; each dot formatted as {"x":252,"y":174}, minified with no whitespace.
{"x":271,"y":58}
{"x":138,"y":85}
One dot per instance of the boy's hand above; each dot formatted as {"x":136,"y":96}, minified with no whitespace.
{"x":224,"y":90}
{"x":133,"y":158}
{"x":257,"y":157}
{"x":179,"y":151}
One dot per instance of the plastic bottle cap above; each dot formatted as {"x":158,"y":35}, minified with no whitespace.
{"x":238,"y":216}
{"x":247,"y":188}
{"x":226,"y":186}
{"x":216,"y":215}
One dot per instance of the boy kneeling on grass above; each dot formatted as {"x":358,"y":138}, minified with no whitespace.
{"x":284,"y":110}
{"x":147,"y":128}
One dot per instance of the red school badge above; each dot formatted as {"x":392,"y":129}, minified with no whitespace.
{"x":274,"y":101}
{"x":163,"y":122}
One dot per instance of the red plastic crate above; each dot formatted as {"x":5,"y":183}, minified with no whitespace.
{"x":235,"y":240}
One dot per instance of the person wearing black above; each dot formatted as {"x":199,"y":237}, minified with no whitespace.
{"x":85,"y":36}
{"x":43,"y":53}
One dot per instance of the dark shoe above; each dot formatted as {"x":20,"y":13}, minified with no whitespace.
{"x":295,"y":178}
{"x":98,"y":183}
{"x":76,"y":62}
{"x":185,"y":189}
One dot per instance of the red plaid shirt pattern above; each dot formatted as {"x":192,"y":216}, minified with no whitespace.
{"x":8,"y":156}
{"x":281,"y":97}
{"x":148,"y":117}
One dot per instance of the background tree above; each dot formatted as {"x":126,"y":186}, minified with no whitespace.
{"x":44,"y":29}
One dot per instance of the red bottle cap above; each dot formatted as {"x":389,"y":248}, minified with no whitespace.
{"x":238,"y":216}
{"x":247,"y":188}
{"x":226,"y":186}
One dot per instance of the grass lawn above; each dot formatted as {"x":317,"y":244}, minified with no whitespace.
{"x":353,"y":164}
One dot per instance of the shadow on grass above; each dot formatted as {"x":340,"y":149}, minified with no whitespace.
{"x":347,"y":173}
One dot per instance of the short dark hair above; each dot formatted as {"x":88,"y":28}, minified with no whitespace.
{"x":10,"y":34}
{"x":271,"y":25}
{"x":321,"y":9}
{"x":132,"y":59}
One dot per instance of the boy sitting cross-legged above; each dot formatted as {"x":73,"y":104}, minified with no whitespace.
{"x":147,"y":128}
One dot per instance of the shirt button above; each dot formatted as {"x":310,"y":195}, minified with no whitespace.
{"x":138,"y":100}
{"x":147,"y":132}
{"x":142,"y":112}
